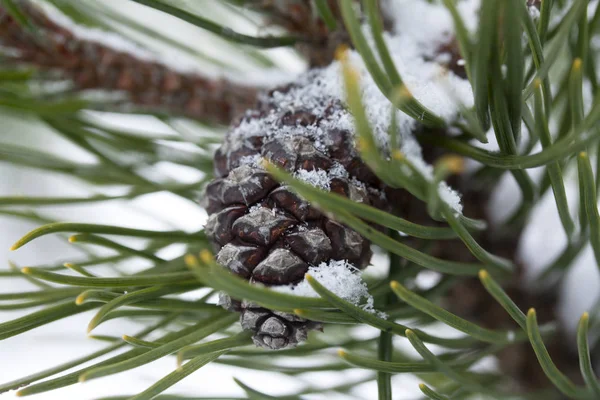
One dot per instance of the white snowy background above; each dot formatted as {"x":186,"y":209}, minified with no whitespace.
{"x":64,"y":340}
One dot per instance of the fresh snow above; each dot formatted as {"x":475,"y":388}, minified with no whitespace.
{"x":338,"y":171}
{"x":534,"y":13}
{"x":317,"y":177}
{"x":339,"y":277}
{"x":412,"y":49}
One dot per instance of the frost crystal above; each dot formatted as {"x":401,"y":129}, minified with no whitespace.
{"x":318,"y":178}
{"x":253,"y":161}
{"x":339,"y":277}
{"x":338,"y":171}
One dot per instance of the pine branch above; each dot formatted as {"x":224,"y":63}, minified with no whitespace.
{"x":148,"y":85}
{"x":320,"y":22}
{"x":302,"y":18}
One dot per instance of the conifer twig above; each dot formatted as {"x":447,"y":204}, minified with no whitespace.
{"x":88,"y":65}
{"x":320,"y":20}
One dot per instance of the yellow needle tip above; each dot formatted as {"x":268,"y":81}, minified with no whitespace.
{"x":454,"y":164}
{"x":394,"y":285}
{"x":341,"y":353}
{"x":265,"y":163}
{"x":341,"y":52}
{"x":26,"y":270}
{"x":179,"y":360}
{"x":531,"y":312}
{"x":190,"y":260}
{"x":403,"y":92}
{"x":397,"y":155}
{"x":577,"y":63}
{"x":483,"y":274}
{"x":422,"y":386}
{"x":206,"y":256}
{"x":585,"y":315}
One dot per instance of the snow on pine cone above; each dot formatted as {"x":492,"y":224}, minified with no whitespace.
{"x":266,"y":233}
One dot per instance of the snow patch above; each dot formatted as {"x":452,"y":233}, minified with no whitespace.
{"x":339,"y":277}
{"x":534,"y":13}
{"x":426,"y":279}
{"x":255,"y":208}
{"x":338,"y":171}
{"x":317,"y":177}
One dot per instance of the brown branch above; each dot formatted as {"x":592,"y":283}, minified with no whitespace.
{"x":301,"y":18}
{"x":149,"y":86}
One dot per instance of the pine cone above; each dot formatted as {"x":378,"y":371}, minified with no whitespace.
{"x":266,"y":233}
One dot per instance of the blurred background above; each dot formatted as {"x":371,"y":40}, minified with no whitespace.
{"x":209,"y":55}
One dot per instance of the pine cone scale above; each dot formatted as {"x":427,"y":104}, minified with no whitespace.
{"x":281,"y":267}
{"x":262,"y":227}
